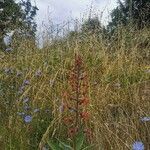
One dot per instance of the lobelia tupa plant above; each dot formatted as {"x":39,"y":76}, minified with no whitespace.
{"x":75,"y":103}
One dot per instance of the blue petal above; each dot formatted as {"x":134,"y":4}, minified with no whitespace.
{"x":28,"y":118}
{"x":138,"y":145}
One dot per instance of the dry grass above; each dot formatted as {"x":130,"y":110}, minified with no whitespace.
{"x":119,"y":87}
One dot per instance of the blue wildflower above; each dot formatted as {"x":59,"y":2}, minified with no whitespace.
{"x":72,"y":110}
{"x":26,"y":82}
{"x":47,"y":110}
{"x":38,"y":73}
{"x":8,"y":71}
{"x":36,"y":110}
{"x":145,"y":119}
{"x":61,"y":108}
{"x":8,"y":49}
{"x":28,"y":118}
{"x":26,"y":99}
{"x":19,"y":73}
{"x":138,"y":145}
{"x":26,"y":107}
{"x":21,"y":89}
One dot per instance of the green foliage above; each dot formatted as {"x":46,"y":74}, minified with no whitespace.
{"x":17,"y":17}
{"x":9,"y":18}
{"x":10,"y":15}
{"x":91,"y":25}
{"x":77,"y":143}
{"x":29,"y":12}
{"x":130,"y":11}
{"x":64,"y":145}
{"x":79,"y":140}
{"x":53,"y":145}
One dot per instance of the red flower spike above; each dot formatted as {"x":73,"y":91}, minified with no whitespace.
{"x":76,"y":99}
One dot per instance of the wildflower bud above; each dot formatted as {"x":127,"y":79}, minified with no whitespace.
{"x":62,"y":107}
{"x":19,"y":73}
{"x":72,"y":132}
{"x":26,"y":82}
{"x":84,"y":116}
{"x":38,"y":73}
{"x":84,"y":101}
{"x":68,"y":120}
{"x":26,"y":99}
{"x":36,"y":110}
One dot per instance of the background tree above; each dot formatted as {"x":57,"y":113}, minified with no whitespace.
{"x":130,"y":11}
{"x":29,"y":12}
{"x":91,"y":25}
{"x":9,"y":18}
{"x":17,"y":17}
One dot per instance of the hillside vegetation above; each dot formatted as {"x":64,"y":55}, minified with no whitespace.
{"x":36,"y":89}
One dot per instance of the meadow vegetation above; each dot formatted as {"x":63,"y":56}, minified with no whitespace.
{"x":85,"y":89}
{"x":37,"y":85}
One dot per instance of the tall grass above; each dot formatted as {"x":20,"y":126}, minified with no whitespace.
{"x":32,"y":81}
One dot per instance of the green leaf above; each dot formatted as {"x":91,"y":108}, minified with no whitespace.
{"x":53,"y":145}
{"x":79,"y":141}
{"x":65,"y":146}
{"x":88,"y":147}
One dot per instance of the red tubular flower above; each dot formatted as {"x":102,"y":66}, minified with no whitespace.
{"x":76,"y":100}
{"x":72,"y":132}
{"x":68,"y":120}
{"x":89,"y":134}
{"x":84,"y":116}
{"x":84,"y":101}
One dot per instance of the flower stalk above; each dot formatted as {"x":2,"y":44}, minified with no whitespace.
{"x":77,"y":98}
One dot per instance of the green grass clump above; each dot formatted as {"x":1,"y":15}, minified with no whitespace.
{"x":32,"y":81}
